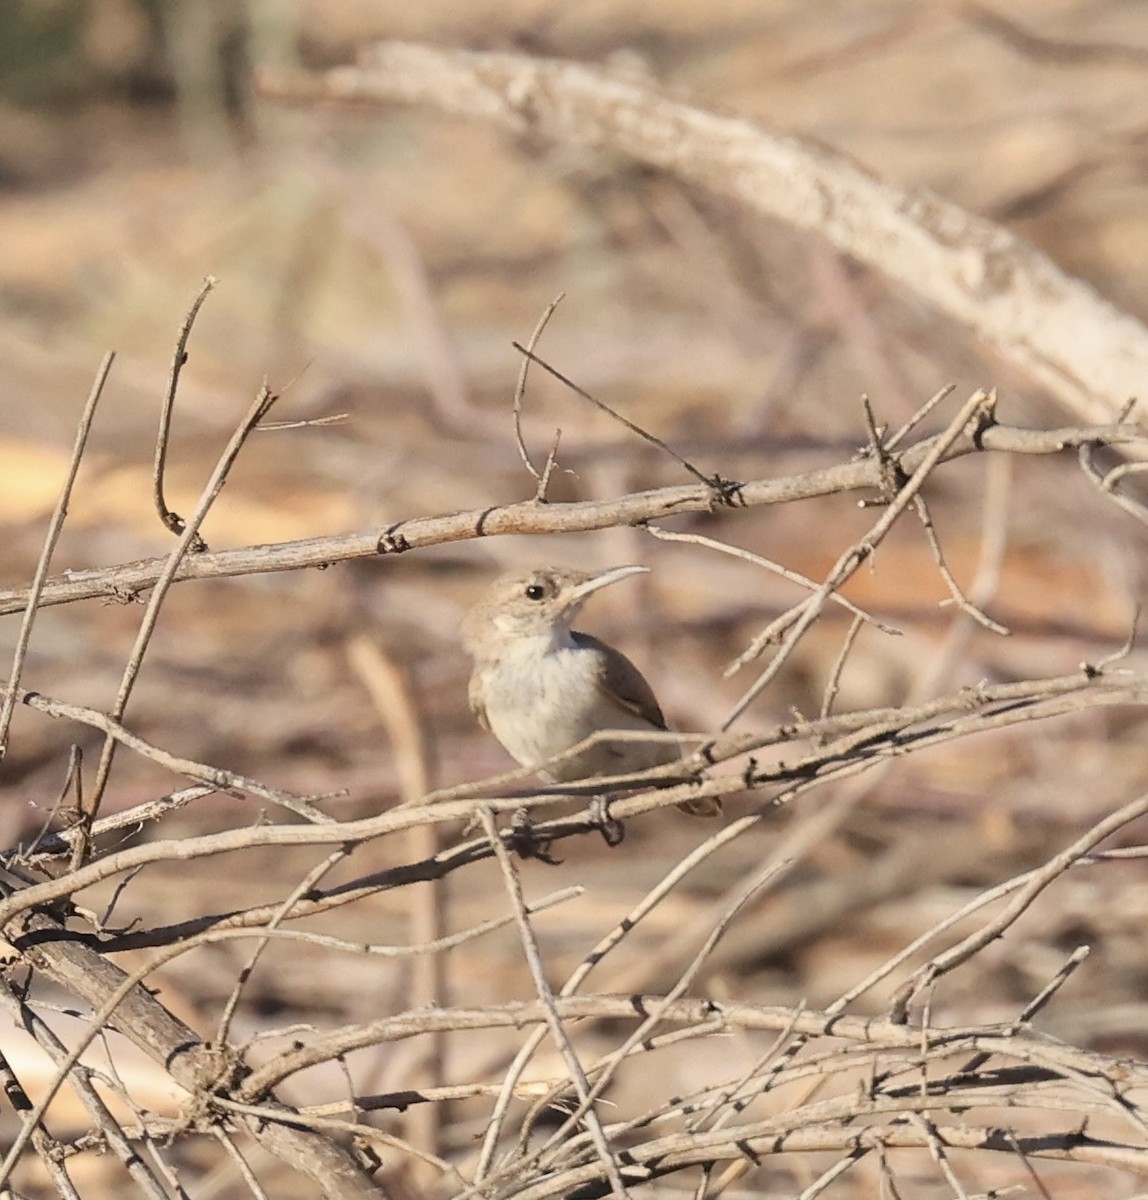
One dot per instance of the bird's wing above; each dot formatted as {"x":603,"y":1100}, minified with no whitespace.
{"x":474,"y":696}
{"x":626,"y":686}
{"x":623,"y":683}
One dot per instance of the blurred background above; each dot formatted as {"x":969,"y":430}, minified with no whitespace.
{"x":379,"y":264}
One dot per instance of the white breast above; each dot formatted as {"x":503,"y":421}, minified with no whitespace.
{"x":542,"y":698}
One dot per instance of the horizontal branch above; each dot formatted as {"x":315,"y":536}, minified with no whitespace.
{"x":126,"y":581}
{"x":665,"y":1156}
{"x":876,"y":1033}
{"x":855,"y":748}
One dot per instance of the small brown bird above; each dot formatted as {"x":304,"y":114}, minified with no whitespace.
{"x":541,"y":687}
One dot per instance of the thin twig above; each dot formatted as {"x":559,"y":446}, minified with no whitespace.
{"x":937,"y":1150}
{"x":255,"y":413}
{"x":540,"y":477}
{"x":246,"y":1173}
{"x":309,"y":880}
{"x":727,"y":1102}
{"x":73,"y":782}
{"x":548,"y":468}
{"x":546,"y":996}
{"x":895,"y":439}
{"x":977,"y":404}
{"x":1030,"y":1170}
{"x":818,"y":1186}
{"x":173,"y":521}
{"x":1036,"y":883}
{"x":55,"y":526}
{"x":958,"y":597}
{"x":1040,"y":1001}
{"x":834,"y":683}
{"x":307,"y":423}
{"x":710,"y":482}
{"x":758,"y":560}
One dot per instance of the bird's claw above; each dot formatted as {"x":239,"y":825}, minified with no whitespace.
{"x":611,"y":829}
{"x":525,"y":842}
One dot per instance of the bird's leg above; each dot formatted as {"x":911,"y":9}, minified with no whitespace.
{"x":525,"y":842}
{"x":611,"y":829}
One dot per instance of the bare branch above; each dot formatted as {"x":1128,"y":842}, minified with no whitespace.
{"x":716,"y":483}
{"x":23,"y":637}
{"x":547,"y":1000}
{"x":170,"y":520}
{"x":1051,"y":871}
{"x":974,"y":411}
{"x":528,"y":517}
{"x":1059,"y":330}
{"x":540,"y":477}
{"x":255,"y":413}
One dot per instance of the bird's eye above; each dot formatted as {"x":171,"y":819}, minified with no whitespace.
{"x":535,"y":591}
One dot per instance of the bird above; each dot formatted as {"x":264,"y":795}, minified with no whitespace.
{"x":541,"y":687}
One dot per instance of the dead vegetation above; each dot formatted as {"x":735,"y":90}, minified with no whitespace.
{"x":274,"y":925}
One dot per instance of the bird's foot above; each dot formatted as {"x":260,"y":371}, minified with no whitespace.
{"x":611,"y":829}
{"x":525,"y":842}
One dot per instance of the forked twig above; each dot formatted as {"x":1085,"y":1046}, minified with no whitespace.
{"x":218,"y":779}
{"x":758,"y":560}
{"x":977,"y":404}
{"x":715,"y":483}
{"x":1036,"y":883}
{"x":1106,"y":483}
{"x":259,"y":407}
{"x":957,"y":595}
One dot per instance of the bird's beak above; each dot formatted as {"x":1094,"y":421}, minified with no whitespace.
{"x":591,"y":585}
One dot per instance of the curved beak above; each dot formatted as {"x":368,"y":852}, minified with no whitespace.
{"x":588,"y":586}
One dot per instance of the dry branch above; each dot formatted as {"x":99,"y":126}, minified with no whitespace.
{"x":125,"y":582}
{"x":911,"y":1077}
{"x":199,"y":1068}
{"x":1087,"y":353}
{"x":862,"y":739}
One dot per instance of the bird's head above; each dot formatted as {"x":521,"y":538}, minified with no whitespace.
{"x":533,"y":604}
